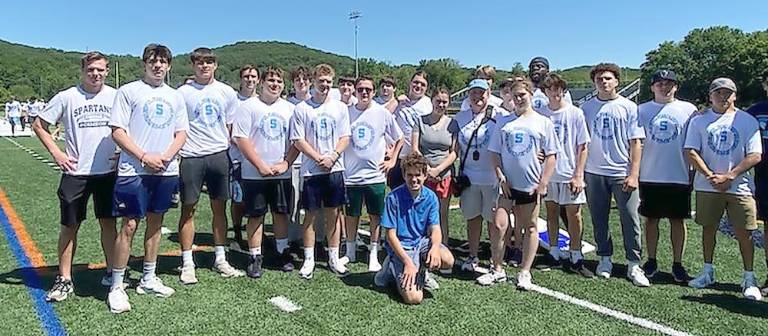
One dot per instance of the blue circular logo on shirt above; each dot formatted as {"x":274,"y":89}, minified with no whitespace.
{"x":561,"y":129}
{"x":325,"y":127}
{"x":664,"y":128}
{"x":482,"y":138}
{"x":273,"y":127}
{"x":762,"y":121}
{"x":603,"y":125}
{"x":723,"y":139}
{"x":362,"y":136}
{"x":518,"y":142}
{"x":208,"y":112}
{"x":158,"y":112}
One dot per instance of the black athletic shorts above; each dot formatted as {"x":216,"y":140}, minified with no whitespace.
{"x":665,"y":200}
{"x":260,"y":196}
{"x":212,"y":169}
{"x":522,"y":197}
{"x":74,"y":192}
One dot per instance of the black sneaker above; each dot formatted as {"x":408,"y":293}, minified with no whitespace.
{"x":254,"y":267}
{"x":286,"y":261}
{"x":549,"y":263}
{"x":579,"y":268}
{"x":507,"y":255}
{"x":679,"y":273}
{"x":651,"y":268}
{"x":175,"y":198}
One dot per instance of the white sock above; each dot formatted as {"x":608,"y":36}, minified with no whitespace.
{"x":749,"y":273}
{"x":149,"y":270}
{"x":186,"y":258}
{"x":374,"y":248}
{"x":220,"y":253}
{"x":255,"y":251}
{"x":607,"y":258}
{"x":554,"y":251}
{"x":708,"y":267}
{"x":309,"y":254}
{"x":351,"y":248}
{"x":576,"y":256}
{"x":282,"y":244}
{"x":333,"y":255}
{"x":117,"y":277}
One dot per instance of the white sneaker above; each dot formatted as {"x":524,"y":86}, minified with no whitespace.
{"x":383,"y":277}
{"x":430,"y":283}
{"x":117,"y":300}
{"x":524,"y":280}
{"x":344,"y":260}
{"x":749,"y":287}
{"x":492,"y":277}
{"x":604,"y":268}
{"x":636,"y":274}
{"x":307,"y":269}
{"x":188,"y":276}
{"x":705,"y":279}
{"x":338,"y":269}
{"x":226,"y":270}
{"x":471,"y":264}
{"x":373,"y":263}
{"x":154,"y":286}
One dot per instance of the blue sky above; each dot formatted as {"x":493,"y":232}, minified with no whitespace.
{"x":500,"y":33}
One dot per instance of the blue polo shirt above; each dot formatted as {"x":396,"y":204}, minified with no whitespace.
{"x":411,"y":217}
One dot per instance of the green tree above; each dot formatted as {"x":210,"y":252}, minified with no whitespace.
{"x":705,"y":54}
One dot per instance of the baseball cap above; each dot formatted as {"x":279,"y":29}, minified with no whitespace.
{"x":660,"y":75}
{"x":722,"y":83}
{"x":478,"y":84}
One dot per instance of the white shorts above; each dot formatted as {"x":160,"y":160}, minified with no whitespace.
{"x":560,"y":193}
{"x":479,"y":200}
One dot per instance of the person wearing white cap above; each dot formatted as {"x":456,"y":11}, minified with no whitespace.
{"x":665,"y":189}
{"x":481,"y":191}
{"x":488,"y":73}
{"x":723,"y":143}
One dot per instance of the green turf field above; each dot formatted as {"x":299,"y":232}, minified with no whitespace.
{"x":352,"y":305}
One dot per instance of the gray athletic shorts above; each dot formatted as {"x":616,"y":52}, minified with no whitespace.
{"x":213,"y":170}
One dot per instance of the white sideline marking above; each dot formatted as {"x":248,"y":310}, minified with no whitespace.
{"x":284,"y":304}
{"x":610,"y":312}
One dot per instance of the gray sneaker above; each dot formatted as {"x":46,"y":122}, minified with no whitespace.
{"x":430,"y":283}
{"x":60,"y":290}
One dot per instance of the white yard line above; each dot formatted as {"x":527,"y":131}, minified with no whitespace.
{"x":610,"y":312}
{"x":285,"y":304}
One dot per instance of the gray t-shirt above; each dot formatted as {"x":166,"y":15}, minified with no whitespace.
{"x":435,"y":142}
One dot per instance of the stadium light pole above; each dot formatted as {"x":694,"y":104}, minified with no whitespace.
{"x":354,"y":15}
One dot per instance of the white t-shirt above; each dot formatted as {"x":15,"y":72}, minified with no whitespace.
{"x":13,"y":109}
{"x":540,"y":100}
{"x":492,"y":100}
{"x":267,"y":128}
{"x":519,"y":141}
{"x":612,"y":124}
{"x":85,"y":116}
{"x":480,"y":171}
{"x":321,"y":125}
{"x":571,"y":130}
{"x":235,"y":156}
{"x":408,"y":116}
{"x":368,"y":144}
{"x":151,"y":116}
{"x":665,"y":126}
{"x":209,"y":110}
{"x":293,"y":100}
{"x":36,"y":107}
{"x":723,"y":141}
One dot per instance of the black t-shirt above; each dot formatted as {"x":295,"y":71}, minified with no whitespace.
{"x":760,"y":112}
